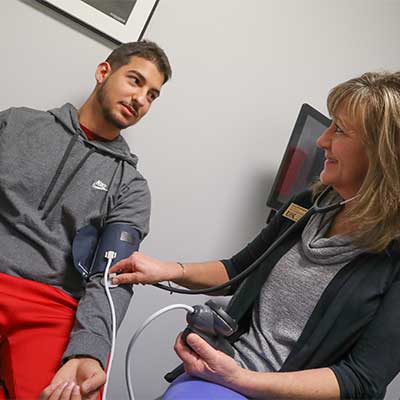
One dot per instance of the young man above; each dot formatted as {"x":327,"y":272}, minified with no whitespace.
{"x":60,"y":171}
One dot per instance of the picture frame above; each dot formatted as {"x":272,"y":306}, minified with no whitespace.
{"x":303,"y":160}
{"x":120,"y":21}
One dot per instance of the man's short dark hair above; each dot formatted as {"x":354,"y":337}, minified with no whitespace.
{"x":145,"y":49}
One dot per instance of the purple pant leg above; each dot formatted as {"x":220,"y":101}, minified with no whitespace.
{"x":189,"y":388}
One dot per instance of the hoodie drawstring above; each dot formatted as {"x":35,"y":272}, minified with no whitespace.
{"x":58,"y":171}
{"x":68,"y":181}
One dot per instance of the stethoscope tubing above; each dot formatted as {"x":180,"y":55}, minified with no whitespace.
{"x":316,"y":208}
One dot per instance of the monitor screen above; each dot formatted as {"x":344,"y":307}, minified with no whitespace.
{"x":303,"y":159}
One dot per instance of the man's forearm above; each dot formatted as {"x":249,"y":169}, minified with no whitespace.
{"x":90,"y":335}
{"x":313,"y":384}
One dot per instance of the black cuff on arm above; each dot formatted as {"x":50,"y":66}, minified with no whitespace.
{"x":353,"y":385}
{"x":232,"y":272}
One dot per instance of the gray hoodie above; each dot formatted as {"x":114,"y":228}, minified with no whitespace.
{"x":53,"y":181}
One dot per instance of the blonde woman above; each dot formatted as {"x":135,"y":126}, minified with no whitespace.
{"x":320,"y":318}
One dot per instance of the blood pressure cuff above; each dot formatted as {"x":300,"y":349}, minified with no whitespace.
{"x":90,"y":246}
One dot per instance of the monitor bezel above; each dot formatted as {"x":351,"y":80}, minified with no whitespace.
{"x":306,"y":111}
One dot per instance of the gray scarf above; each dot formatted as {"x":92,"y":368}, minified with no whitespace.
{"x":326,"y":251}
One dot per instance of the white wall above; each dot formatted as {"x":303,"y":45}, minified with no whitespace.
{"x":212,"y":143}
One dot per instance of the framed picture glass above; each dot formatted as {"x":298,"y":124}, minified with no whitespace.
{"x":303,"y":160}
{"x":120,"y":20}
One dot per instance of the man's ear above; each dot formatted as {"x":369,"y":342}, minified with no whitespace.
{"x":103,"y":71}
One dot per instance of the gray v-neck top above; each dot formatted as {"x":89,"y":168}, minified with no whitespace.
{"x":290,"y":294}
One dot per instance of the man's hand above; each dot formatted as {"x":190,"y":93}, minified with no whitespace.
{"x":139,"y":268}
{"x":203,"y":361}
{"x":77,"y":379}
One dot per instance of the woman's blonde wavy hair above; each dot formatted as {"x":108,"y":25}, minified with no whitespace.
{"x":373,"y":99}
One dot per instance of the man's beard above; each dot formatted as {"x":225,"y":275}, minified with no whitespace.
{"x":106,"y":111}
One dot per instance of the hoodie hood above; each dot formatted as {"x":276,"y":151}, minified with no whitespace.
{"x":67,"y":115}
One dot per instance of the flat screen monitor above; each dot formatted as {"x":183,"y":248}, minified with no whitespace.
{"x":303,"y":159}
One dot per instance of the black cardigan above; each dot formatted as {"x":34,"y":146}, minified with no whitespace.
{"x":355,"y":326}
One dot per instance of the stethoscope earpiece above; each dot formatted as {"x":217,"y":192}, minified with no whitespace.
{"x":316,"y":208}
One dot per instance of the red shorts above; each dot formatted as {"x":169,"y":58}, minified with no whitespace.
{"x":35,"y":324}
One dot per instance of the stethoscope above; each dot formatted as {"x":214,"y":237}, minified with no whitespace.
{"x":316,"y":208}
{"x":322,"y":210}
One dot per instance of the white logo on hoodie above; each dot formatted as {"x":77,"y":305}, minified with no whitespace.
{"x":99,"y":185}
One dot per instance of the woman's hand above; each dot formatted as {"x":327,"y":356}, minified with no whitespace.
{"x":139,"y":268}
{"x":203,"y":361}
